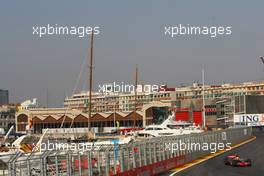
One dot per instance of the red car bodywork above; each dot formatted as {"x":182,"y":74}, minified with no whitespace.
{"x":235,"y":160}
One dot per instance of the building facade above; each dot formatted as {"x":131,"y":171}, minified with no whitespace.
{"x":111,"y":102}
{"x":42,"y":118}
{"x":219,"y":100}
{"x":7,"y":116}
{"x":126,"y":102}
{"x":220,"y":91}
{"x":220,"y":105}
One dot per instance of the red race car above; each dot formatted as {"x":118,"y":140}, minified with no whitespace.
{"x":235,"y":160}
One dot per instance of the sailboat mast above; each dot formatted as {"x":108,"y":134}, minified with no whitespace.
{"x":90,"y":67}
{"x":135,"y":103}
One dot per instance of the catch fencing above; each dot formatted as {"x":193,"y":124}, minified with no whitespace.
{"x":146,"y":157}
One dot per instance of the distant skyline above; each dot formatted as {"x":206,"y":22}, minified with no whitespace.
{"x":131,"y":32}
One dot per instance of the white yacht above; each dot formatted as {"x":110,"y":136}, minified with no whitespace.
{"x":158,"y":130}
{"x":169,"y":127}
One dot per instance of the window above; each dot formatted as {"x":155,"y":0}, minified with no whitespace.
{"x":149,"y":128}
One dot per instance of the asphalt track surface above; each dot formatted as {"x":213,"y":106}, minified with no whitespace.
{"x":216,"y":167}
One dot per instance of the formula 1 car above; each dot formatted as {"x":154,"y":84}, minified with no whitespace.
{"x":235,"y":160}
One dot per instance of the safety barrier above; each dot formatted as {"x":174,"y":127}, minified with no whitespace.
{"x":147,"y":157}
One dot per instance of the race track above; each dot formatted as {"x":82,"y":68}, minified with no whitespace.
{"x":216,"y":167}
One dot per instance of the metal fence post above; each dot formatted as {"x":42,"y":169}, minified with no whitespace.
{"x":122,"y":167}
{"x":41,"y":166}
{"x":14,"y":167}
{"x":28,"y":168}
{"x":162,"y":150}
{"x":90,"y":166}
{"x":127,"y":155}
{"x":174,"y":142}
{"x":107,"y":164}
{"x":140,"y":154}
{"x":145,"y":153}
{"x":9,"y":168}
{"x":154,"y":152}
{"x":68,"y":164}
{"x":79,"y":161}
{"x":150,"y":152}
{"x":133,"y":156}
{"x":56,"y":165}
{"x":99,"y":161}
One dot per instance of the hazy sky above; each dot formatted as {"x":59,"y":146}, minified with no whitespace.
{"x":131,"y":32}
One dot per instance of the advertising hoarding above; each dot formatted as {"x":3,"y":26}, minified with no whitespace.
{"x":249,"y":119}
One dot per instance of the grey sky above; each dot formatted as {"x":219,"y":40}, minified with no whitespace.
{"x":131,"y":32}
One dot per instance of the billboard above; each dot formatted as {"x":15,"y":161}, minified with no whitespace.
{"x":249,"y":119}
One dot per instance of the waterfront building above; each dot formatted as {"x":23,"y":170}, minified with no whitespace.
{"x":220,"y":91}
{"x":124,"y":102}
{"x":221,"y":103}
{"x":42,"y":118}
{"x":7,"y":116}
